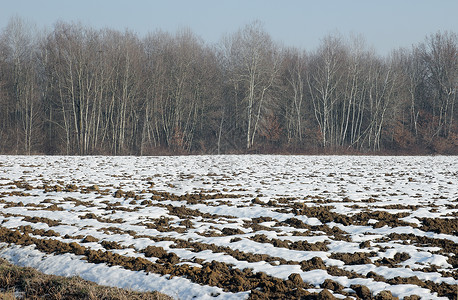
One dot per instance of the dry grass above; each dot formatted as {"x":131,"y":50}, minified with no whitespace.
{"x":27,"y":283}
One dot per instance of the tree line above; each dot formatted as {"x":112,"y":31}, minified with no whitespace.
{"x":75,"y":90}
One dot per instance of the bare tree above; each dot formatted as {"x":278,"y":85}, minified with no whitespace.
{"x":325,"y":75}
{"x":439,"y":54}
{"x":18,"y":44}
{"x":179,"y":88}
{"x":294,"y":75}
{"x":253,"y":59}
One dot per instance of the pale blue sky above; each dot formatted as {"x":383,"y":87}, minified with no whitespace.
{"x":386,"y":24}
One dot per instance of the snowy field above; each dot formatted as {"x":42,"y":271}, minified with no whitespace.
{"x":231,"y":227}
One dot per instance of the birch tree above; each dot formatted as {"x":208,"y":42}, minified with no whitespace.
{"x":294,"y":77}
{"x":253,"y":60}
{"x":325,"y":74}
{"x":440,"y":55}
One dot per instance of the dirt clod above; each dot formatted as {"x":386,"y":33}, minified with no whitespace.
{"x":362,"y":291}
{"x":296,"y":279}
{"x":326,"y":295}
{"x":385,"y":295}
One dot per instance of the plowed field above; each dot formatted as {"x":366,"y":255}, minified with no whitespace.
{"x":234,"y":227}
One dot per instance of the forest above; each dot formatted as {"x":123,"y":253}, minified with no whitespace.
{"x":76,"y":90}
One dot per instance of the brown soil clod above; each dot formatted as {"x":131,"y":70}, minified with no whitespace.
{"x":362,"y":291}
{"x":312,"y":264}
{"x":119,"y":194}
{"x":449,"y":226}
{"x":151,"y":251}
{"x":296,"y":223}
{"x":89,"y":239}
{"x":159,"y":252}
{"x":332,"y":285}
{"x":358,"y":258}
{"x":71,"y":188}
{"x":392,"y":262}
{"x":50,"y":222}
{"x":385,"y":295}
{"x":109,"y":245}
{"x":365,"y":244}
{"x":296,"y":279}
{"x":325,"y":294}
{"x":231,"y":231}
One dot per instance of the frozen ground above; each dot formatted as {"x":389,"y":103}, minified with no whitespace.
{"x":234,"y":226}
